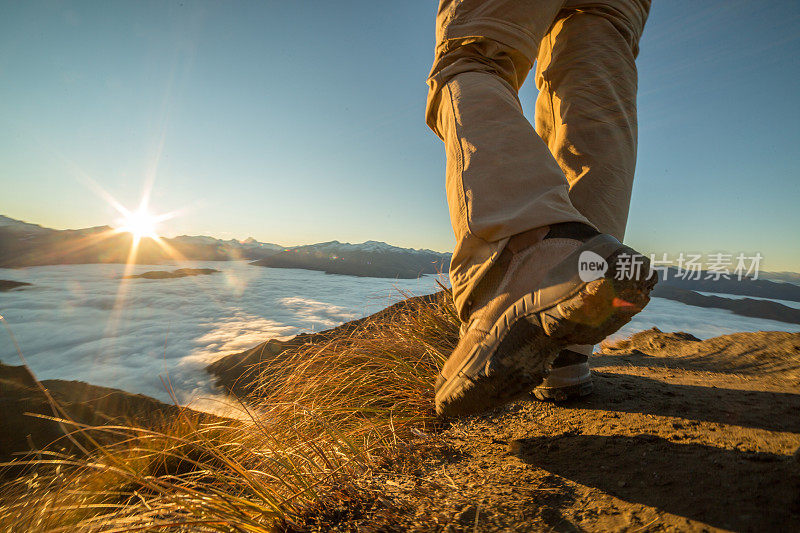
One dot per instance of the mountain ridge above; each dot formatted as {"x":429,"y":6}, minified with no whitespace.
{"x":26,"y":244}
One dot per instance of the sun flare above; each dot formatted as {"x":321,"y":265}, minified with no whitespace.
{"x":140,"y":224}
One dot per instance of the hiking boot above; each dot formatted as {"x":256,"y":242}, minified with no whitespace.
{"x":550,"y":287}
{"x":570,"y":377}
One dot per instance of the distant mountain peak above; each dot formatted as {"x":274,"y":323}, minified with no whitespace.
{"x":366,"y":246}
{"x":14,"y":224}
{"x":28,"y":244}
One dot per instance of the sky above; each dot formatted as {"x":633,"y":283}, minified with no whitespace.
{"x":300,"y":122}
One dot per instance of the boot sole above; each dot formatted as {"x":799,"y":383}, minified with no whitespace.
{"x":516,"y":354}
{"x":562,"y":394}
{"x":565,"y":383}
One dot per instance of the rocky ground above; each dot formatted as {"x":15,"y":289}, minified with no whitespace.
{"x":680,"y":435}
{"x":27,"y":416}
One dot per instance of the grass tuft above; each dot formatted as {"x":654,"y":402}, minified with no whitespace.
{"x":322,"y":417}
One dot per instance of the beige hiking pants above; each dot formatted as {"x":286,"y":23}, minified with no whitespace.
{"x":503,"y":175}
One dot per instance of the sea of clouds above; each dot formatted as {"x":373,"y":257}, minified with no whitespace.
{"x":82,"y":322}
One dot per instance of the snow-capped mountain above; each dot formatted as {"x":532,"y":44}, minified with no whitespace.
{"x":367,"y":259}
{"x":367,"y":246}
{"x":252,"y":243}
{"x":249,"y":242}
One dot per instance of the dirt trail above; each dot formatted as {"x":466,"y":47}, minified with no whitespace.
{"x":679,"y":435}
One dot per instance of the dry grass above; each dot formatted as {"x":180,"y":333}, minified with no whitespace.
{"x":322,"y":418}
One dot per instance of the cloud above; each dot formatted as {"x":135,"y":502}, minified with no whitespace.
{"x":317,"y":312}
{"x":70,"y":327}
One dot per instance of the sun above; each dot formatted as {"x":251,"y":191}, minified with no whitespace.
{"x":140,"y":223}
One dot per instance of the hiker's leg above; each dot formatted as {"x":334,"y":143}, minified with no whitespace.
{"x":586,"y":109}
{"x":586,"y":113}
{"x":501,"y":178}
{"x":507,"y":193}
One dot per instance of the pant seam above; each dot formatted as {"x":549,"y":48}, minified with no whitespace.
{"x":550,"y":97}
{"x":467,"y":22}
{"x":462,"y":201}
{"x":508,"y":33}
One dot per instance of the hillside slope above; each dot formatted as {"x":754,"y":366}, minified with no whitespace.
{"x":26,"y":423}
{"x":680,"y":435}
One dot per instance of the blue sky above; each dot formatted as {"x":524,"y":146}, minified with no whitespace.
{"x":299,"y":122}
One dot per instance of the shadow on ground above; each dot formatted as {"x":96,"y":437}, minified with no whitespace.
{"x":772,"y":411}
{"x":725,"y":488}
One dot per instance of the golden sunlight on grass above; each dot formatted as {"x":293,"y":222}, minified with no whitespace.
{"x":326,"y":418}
